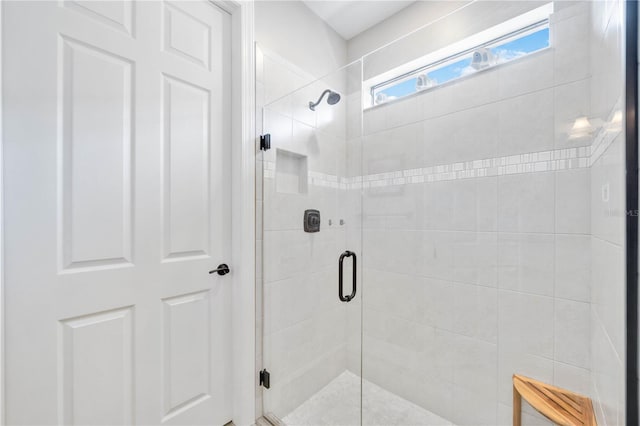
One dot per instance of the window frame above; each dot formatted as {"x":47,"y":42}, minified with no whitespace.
{"x":526,"y":24}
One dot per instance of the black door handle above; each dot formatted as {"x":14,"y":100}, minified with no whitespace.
{"x":355,"y":269}
{"x":222,"y":269}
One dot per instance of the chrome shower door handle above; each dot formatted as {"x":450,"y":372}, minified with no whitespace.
{"x":350,"y":297}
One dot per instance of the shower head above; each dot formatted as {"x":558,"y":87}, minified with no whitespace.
{"x":334,"y":98}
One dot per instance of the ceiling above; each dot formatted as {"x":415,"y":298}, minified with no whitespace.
{"x":350,"y":18}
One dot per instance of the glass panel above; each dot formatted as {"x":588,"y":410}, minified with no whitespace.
{"x":493,"y":224}
{"x":312,"y":339}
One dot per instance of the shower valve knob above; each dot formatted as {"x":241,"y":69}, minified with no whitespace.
{"x":222,"y":269}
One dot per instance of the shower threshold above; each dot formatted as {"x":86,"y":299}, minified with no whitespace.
{"x":338,"y":403}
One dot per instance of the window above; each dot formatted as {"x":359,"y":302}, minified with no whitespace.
{"x":505,"y":44}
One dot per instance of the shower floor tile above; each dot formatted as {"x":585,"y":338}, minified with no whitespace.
{"x":338,"y":403}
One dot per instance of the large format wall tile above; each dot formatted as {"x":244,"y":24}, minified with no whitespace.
{"x":526,"y":123}
{"x":526,"y":202}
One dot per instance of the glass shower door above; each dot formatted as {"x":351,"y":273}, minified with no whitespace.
{"x":311,"y":251}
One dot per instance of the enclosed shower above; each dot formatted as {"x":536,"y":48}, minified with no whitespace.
{"x":442,"y":214}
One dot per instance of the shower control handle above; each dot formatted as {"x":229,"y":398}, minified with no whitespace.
{"x":222,"y":269}
{"x":351,"y":296}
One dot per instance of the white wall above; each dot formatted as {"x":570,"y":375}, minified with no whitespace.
{"x":398,"y":25}
{"x":295,"y":33}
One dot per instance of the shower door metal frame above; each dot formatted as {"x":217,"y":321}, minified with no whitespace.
{"x":632,"y":187}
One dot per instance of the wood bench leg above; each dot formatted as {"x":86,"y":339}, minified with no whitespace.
{"x":517,"y":408}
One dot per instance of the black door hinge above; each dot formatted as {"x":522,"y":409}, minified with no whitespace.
{"x":265,"y":142}
{"x":265,"y":379}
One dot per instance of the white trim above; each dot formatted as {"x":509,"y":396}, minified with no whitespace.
{"x":243,"y":235}
{"x":2,"y":310}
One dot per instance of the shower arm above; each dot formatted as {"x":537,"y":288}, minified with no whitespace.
{"x":312,"y":106}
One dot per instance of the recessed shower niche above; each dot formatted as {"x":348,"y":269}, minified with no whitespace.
{"x":291,"y":172}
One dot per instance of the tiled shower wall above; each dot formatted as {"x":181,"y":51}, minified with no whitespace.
{"x":477,"y":233}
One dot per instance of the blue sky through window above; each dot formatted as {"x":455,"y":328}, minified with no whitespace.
{"x":502,"y":53}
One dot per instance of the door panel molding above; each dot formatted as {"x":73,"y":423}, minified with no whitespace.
{"x":109,"y":337}
{"x":124,"y":23}
{"x":80,"y":147}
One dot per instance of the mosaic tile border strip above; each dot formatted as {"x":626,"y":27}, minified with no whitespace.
{"x":545,"y":161}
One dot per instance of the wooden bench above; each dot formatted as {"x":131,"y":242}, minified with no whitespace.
{"x":558,"y":405}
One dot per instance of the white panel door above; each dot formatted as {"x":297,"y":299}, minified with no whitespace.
{"x":117,"y":204}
